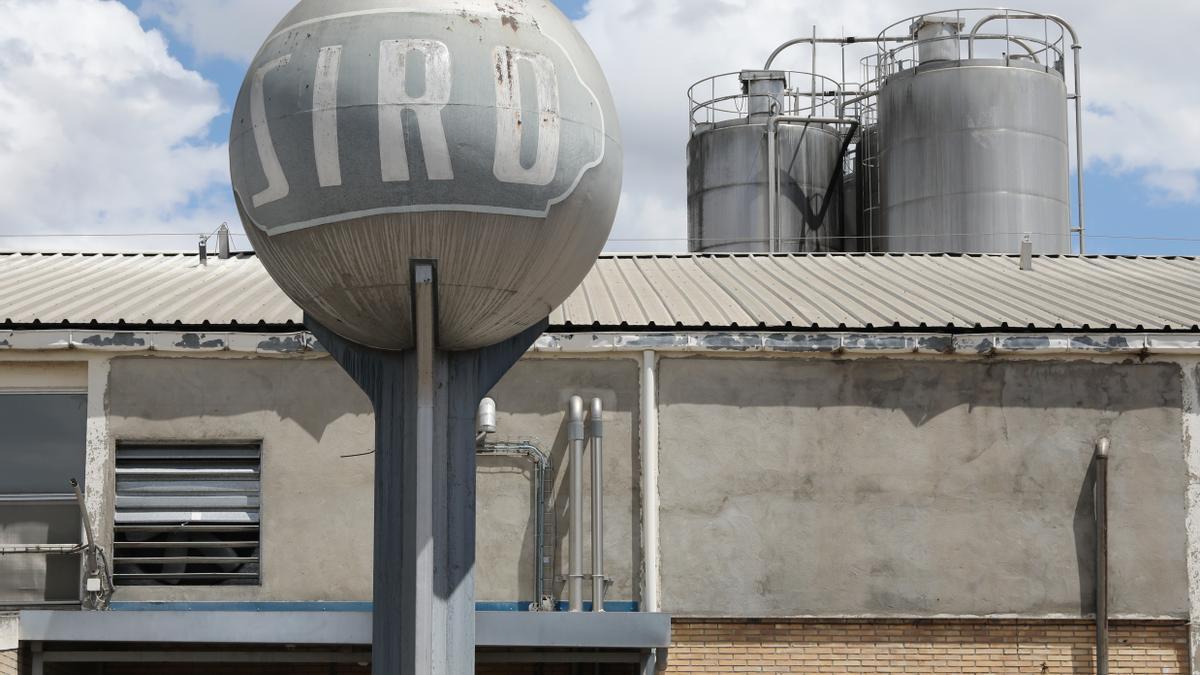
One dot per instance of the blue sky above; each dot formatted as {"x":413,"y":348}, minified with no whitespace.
{"x":1143,"y":182}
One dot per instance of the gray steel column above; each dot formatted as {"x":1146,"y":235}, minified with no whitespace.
{"x":425,"y":402}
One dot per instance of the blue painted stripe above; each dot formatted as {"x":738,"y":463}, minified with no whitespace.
{"x":613,"y":606}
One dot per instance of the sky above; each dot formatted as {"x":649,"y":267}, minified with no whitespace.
{"x":114,"y":115}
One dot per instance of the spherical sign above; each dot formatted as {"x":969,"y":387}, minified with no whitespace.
{"x":372,"y":133}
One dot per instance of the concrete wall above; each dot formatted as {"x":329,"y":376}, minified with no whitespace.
{"x":915,"y":487}
{"x":317,"y":505}
{"x":532,"y":402}
{"x":789,"y":486}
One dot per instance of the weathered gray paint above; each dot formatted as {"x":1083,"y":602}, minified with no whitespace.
{"x":424,"y":535}
{"x":441,"y":113}
{"x":919,"y":488}
{"x":531,"y":403}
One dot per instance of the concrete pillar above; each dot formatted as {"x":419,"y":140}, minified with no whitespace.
{"x":1191,"y":444}
{"x":424,"y":562}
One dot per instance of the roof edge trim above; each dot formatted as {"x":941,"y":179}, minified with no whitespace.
{"x":303,"y":343}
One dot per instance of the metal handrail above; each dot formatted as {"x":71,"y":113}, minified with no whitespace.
{"x":823,"y":98}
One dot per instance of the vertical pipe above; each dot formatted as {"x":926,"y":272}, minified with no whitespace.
{"x":1101,"y":500}
{"x":649,"y":454}
{"x":539,"y":533}
{"x":203,"y":250}
{"x":812,"y":89}
{"x":597,"y":429}
{"x":423,"y":290}
{"x":575,"y":437}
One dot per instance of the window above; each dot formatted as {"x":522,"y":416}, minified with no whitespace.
{"x":41,"y":448}
{"x":187,"y":515}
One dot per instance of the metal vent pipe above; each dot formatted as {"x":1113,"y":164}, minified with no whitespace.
{"x":598,"y":579}
{"x":575,"y":437}
{"x":223,"y":242}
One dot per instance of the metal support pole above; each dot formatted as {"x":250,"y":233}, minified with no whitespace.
{"x":1101,"y":500}
{"x":598,"y":579}
{"x":424,"y":328}
{"x":1082,"y":229}
{"x":575,"y":437}
{"x":425,"y":402}
{"x":772,"y":189}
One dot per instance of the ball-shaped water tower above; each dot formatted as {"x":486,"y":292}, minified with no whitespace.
{"x":482,"y":135}
{"x":427,"y":179}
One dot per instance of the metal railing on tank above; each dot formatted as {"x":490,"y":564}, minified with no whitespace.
{"x":723,"y":97}
{"x":957,"y":35}
{"x":999,"y":36}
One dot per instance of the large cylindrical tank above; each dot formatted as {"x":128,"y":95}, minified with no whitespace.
{"x":728,"y":190}
{"x":974,"y":156}
{"x":372,"y":133}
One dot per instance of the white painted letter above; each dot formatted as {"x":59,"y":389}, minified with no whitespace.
{"x":277,"y":185}
{"x":394,"y":100}
{"x":509,"y":133}
{"x":325,"y":129}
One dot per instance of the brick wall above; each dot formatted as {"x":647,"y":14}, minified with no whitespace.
{"x":1039,"y":648}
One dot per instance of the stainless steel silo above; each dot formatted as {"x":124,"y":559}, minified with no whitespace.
{"x":729,"y":176}
{"x":973,"y":151}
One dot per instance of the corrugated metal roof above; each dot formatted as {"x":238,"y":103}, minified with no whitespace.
{"x":964,"y":292}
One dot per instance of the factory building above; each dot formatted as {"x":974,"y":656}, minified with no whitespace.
{"x":879,"y":419}
{"x":823,"y":461}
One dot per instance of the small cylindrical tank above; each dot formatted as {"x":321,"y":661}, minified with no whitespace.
{"x":974,"y":155}
{"x":728,"y":175}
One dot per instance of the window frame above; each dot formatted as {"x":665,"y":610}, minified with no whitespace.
{"x":34,"y":499}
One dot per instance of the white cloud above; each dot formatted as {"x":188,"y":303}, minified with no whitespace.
{"x":1143,"y":119}
{"x":101,"y":130}
{"x":1178,"y":186}
{"x":232,"y":29}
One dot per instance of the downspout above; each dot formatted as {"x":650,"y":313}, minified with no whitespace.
{"x":1101,"y":501}
{"x":598,"y":579}
{"x":649,"y":442}
{"x":575,"y":437}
